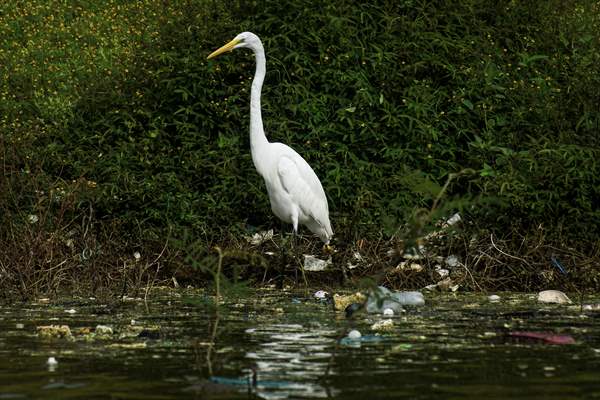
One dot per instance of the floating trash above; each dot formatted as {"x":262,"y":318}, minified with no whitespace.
{"x":387,"y":325}
{"x":494,"y":298}
{"x":354,"y":334}
{"x":51,"y":363}
{"x":54,"y":332}
{"x":553,"y":296}
{"x":342,"y":301}
{"x":355,"y":339}
{"x":104,"y":330}
{"x":321,"y":295}
{"x":382,"y":298}
{"x":545,"y":337}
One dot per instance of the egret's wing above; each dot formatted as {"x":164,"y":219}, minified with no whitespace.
{"x":298,"y":181}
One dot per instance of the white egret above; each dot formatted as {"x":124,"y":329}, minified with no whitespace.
{"x":295,"y":192}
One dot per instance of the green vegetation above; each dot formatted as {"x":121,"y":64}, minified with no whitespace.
{"x":117,"y":135}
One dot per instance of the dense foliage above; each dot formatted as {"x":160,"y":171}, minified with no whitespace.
{"x":110,"y":111}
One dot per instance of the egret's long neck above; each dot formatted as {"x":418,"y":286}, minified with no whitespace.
{"x":257,"y":134}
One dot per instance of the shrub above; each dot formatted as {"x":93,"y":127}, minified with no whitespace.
{"x":385,"y":100}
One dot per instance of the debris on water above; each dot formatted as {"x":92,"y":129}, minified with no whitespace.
{"x":388,"y":312}
{"x":386,"y":325}
{"x":553,"y":296}
{"x":54,"y":332}
{"x":104,"y":330}
{"x":545,"y":337}
{"x":354,"y":334}
{"x":314,"y":264}
{"x":51,"y":363}
{"x":591,"y":307}
{"x":382,"y":298}
{"x":70,"y":311}
{"x":259,"y":237}
{"x":342,"y":301}
{"x":19,"y":325}
{"x":321,"y":295}
{"x":494,"y":298}
{"x":354,"y":339}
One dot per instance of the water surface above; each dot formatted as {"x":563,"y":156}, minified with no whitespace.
{"x":175,"y":345}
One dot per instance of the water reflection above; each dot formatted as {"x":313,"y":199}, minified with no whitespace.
{"x":291,"y":359}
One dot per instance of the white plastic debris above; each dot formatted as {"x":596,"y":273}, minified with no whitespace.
{"x":494,"y":298}
{"x":137,"y":256}
{"x":32,"y":219}
{"x":553,"y":296}
{"x":354,"y":334}
{"x":442,"y":272}
{"x":382,"y":298}
{"x":259,"y":237}
{"x":591,"y":307}
{"x":20,"y":326}
{"x":452,"y":261}
{"x":51,"y":363}
{"x":70,"y":311}
{"x":314,"y":264}
{"x":321,"y":294}
{"x":453,"y":219}
{"x":388,"y":312}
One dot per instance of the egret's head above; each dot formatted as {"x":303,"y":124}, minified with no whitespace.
{"x":244,"y":39}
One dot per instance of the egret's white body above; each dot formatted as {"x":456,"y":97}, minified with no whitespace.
{"x":295,"y":192}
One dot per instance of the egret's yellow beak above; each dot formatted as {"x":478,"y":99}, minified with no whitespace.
{"x":228,"y":47}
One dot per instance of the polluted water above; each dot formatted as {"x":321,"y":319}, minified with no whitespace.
{"x":275,"y":344}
